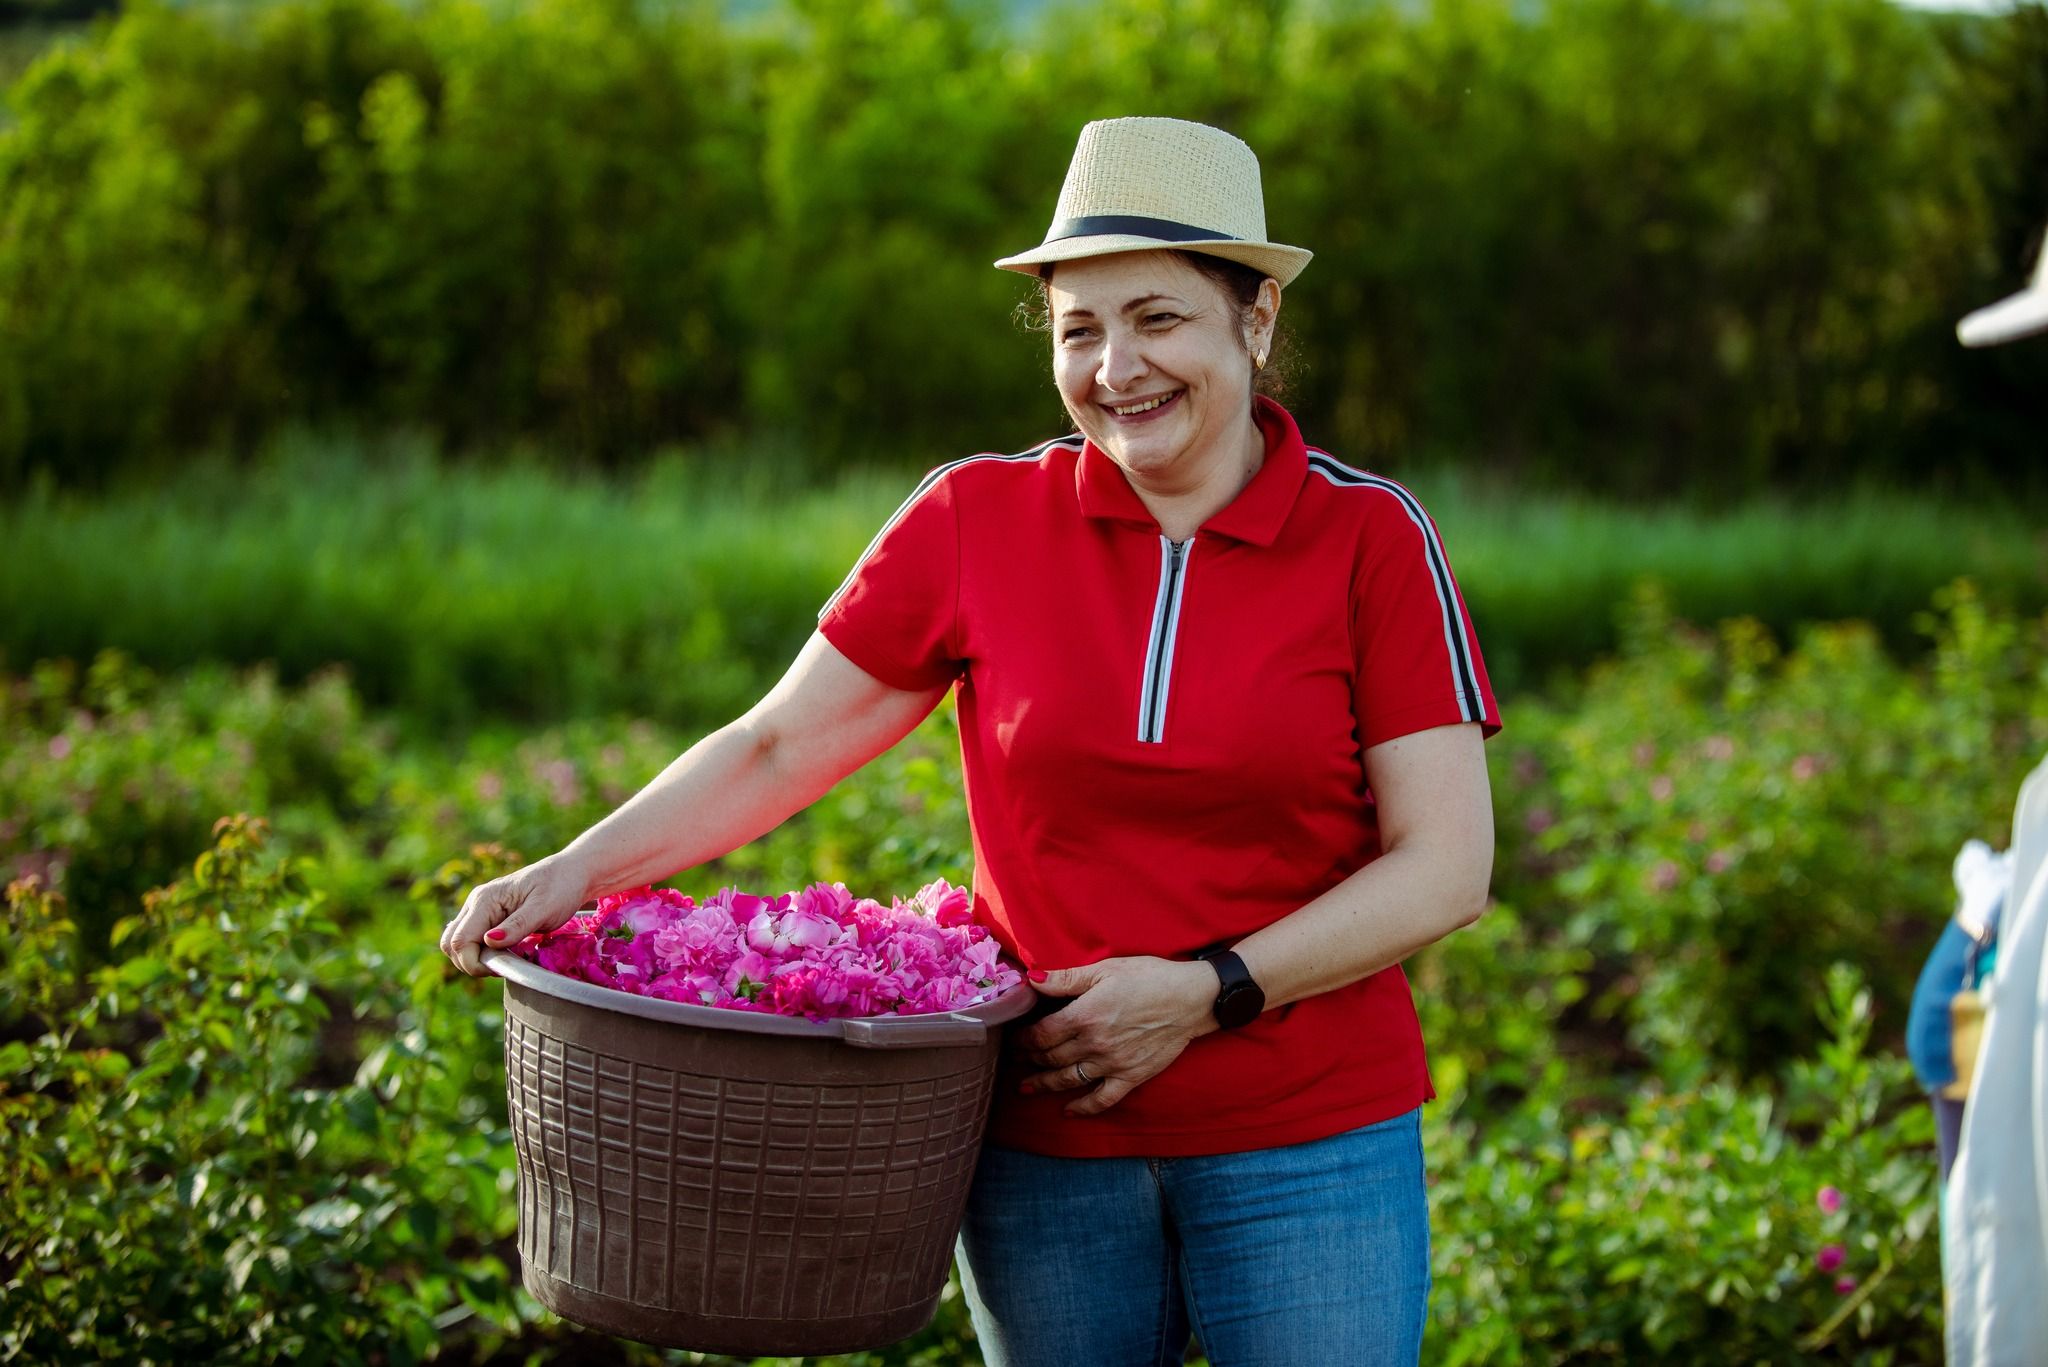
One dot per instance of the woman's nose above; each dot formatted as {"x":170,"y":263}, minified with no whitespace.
{"x":1122,"y":364}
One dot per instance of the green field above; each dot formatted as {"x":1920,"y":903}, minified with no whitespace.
{"x":457,"y":592}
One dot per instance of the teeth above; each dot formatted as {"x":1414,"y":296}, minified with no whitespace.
{"x":1137,"y":408}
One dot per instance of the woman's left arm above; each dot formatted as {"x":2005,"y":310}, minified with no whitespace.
{"x":1133,"y":1016}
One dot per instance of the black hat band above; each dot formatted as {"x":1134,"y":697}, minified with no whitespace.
{"x":1134,"y":225}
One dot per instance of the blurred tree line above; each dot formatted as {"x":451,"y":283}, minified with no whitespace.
{"x":1632,"y":245}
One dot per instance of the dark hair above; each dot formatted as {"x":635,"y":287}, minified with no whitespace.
{"x":1239,"y":283}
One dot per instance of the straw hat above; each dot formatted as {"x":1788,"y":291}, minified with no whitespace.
{"x":2016,"y":316}
{"x":1143,"y":184}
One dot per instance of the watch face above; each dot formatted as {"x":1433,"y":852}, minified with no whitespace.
{"x":1239,"y":1004}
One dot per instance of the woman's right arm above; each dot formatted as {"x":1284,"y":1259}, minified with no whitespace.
{"x":824,"y":719}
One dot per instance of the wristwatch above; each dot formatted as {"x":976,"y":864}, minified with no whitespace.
{"x":1240,"y":1000}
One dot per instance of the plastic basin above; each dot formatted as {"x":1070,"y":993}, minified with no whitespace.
{"x":740,"y":1183}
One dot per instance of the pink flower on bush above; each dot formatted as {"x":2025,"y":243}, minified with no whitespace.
{"x":1829,"y":1199}
{"x":818,"y":953}
{"x":1718,"y":747}
{"x":1844,"y":1285}
{"x":1661,"y":787}
{"x":1829,"y":1258}
{"x":563,"y":784}
{"x":1720,"y":861}
{"x":1806,"y":766}
{"x":1664,"y":877}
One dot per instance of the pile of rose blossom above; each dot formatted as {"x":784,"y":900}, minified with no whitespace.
{"x":818,"y":953}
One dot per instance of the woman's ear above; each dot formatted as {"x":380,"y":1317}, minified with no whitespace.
{"x":1265,"y":313}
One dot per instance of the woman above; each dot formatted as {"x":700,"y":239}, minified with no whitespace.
{"x":1221,"y":712}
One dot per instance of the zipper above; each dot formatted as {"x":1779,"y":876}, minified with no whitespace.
{"x":1173,"y":561}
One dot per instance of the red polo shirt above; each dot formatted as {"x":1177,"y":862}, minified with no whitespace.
{"x":1162,"y":747}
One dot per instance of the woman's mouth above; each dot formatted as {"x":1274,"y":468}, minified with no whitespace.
{"x":1145,"y":410}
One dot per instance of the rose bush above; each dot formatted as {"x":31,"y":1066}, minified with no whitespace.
{"x":1654,"y":1092}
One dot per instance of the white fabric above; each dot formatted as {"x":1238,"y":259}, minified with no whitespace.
{"x":1997,"y":1273}
{"x":1982,"y":877}
{"x":2008,"y":320}
{"x":2011,"y":318}
{"x":2030,"y":829}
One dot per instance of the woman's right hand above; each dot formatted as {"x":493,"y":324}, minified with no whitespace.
{"x":527,"y":901}
{"x":826,"y":718}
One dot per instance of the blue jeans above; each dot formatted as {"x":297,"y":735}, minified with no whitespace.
{"x":1284,"y":1257}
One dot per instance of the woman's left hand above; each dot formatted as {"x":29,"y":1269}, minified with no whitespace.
{"x":1130,"y":1017}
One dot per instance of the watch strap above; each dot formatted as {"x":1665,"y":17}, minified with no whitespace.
{"x":1230,"y":969}
{"x":1239,"y":998}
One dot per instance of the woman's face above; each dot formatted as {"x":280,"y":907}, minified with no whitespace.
{"x":1152,"y":357}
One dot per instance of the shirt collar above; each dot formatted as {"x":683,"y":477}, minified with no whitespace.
{"x":1255,"y":515}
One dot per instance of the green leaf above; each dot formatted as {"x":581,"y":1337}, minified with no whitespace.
{"x":330,"y":1216}
{"x":140,"y":971}
{"x":241,"y":1259}
{"x":191,"y":1187}
{"x":426,"y":1224}
{"x":194,"y":941}
{"x":373,"y":1066}
{"x":359,"y":1109}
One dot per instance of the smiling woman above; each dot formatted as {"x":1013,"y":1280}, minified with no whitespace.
{"x":1240,"y":283}
{"x":1220,"y":710}
{"x":1155,"y":361}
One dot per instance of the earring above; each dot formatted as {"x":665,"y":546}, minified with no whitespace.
{"x":1259,"y":361}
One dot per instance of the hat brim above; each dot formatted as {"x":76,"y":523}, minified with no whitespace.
{"x":1281,"y":262}
{"x":2008,"y":320}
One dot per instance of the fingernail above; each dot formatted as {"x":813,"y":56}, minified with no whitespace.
{"x":1036,"y":975}
{"x":1026,"y":1088}
{"x":494,"y":934}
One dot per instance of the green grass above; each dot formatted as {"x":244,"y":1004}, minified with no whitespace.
{"x":447,"y":590}
{"x":455,"y":591}
{"x":1546,"y":580}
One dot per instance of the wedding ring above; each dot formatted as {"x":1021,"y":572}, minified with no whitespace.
{"x":1081,"y":1072}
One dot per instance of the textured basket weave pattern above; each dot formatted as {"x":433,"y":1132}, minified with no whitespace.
{"x":1167,"y":168}
{"x":735,"y":1188}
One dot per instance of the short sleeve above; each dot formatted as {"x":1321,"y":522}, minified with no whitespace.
{"x":894,"y":614}
{"x":1417,"y":662}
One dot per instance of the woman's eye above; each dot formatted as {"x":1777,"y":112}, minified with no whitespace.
{"x":1074,"y":335}
{"x":1161,"y":319}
